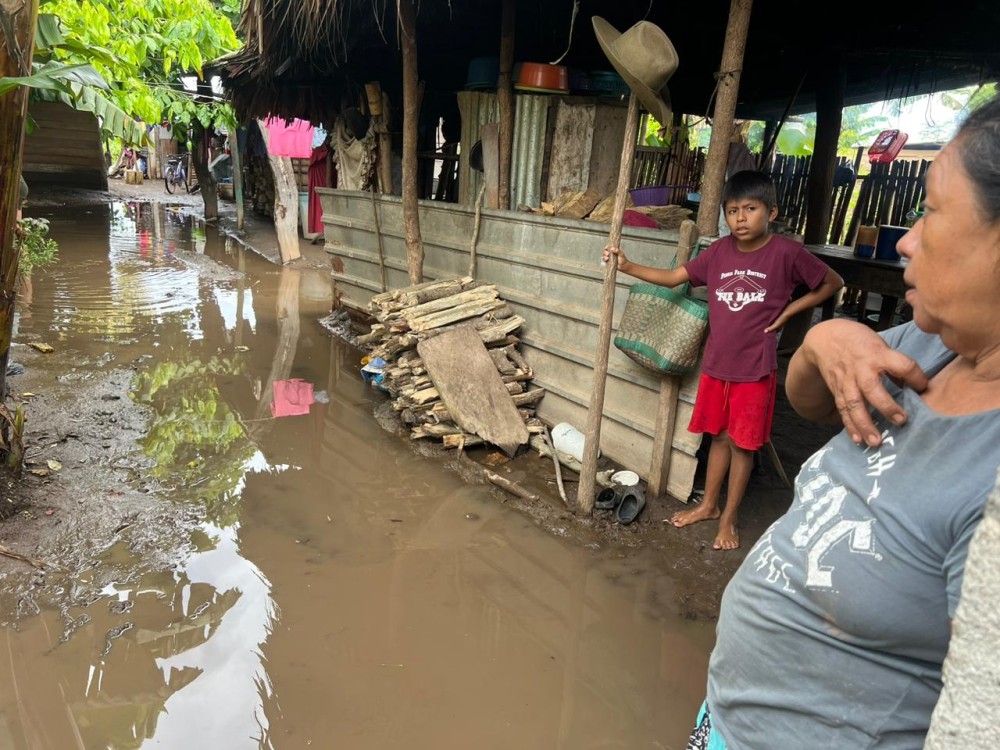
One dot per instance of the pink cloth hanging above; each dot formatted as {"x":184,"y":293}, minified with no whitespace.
{"x":293,"y":139}
{"x":291,"y":397}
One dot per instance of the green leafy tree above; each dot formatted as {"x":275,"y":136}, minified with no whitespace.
{"x":143,"y":48}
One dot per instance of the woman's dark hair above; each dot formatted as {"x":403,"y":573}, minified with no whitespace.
{"x":750,"y":185}
{"x":979,"y":150}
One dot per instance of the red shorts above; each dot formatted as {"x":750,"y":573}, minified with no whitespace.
{"x":744,"y":410}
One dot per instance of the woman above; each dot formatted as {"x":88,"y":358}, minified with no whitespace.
{"x":833,"y":631}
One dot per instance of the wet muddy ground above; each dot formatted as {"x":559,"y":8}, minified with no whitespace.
{"x":237,"y":548}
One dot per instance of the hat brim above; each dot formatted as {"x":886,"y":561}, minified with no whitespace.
{"x":656,"y":102}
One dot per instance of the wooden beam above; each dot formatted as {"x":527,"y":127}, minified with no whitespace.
{"x":505,"y":100}
{"x":728,"y":89}
{"x":407,"y":14}
{"x":234,"y":152}
{"x":670,"y":386}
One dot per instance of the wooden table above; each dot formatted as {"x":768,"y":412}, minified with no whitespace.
{"x":882,"y":277}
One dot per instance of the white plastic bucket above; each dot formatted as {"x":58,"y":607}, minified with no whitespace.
{"x":569,"y":440}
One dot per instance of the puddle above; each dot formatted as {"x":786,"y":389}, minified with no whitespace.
{"x":333,"y":588}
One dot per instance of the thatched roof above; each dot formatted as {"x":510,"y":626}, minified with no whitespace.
{"x":305,"y":57}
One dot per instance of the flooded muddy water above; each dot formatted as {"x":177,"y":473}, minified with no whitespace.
{"x":332,"y":587}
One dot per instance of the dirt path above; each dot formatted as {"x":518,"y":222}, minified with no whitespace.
{"x":83,"y":494}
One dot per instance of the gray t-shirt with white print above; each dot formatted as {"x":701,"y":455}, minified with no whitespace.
{"x":833,"y":631}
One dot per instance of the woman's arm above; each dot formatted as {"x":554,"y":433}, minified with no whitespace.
{"x":661,"y":276}
{"x":837,"y":373}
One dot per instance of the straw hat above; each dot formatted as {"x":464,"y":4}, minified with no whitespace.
{"x":645,"y":58}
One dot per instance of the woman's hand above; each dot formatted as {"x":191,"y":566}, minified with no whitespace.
{"x":620,"y":258}
{"x":838,"y":370}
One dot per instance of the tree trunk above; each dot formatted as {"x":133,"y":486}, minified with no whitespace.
{"x":199,"y":162}
{"x":411,"y":116}
{"x":505,"y":99}
{"x":15,"y":60}
{"x":286,"y":203}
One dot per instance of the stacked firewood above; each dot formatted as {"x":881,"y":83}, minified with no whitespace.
{"x":407,"y":316}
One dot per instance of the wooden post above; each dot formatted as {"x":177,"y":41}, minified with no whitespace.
{"x":819,"y":188}
{"x":595,"y":412}
{"x":19,"y":19}
{"x":670,"y":386}
{"x":829,"y":111}
{"x":378,"y":108}
{"x":286,"y":202}
{"x":234,"y":153}
{"x":505,"y":100}
{"x":722,"y":119}
{"x":411,"y":115}
{"x":378,"y":236}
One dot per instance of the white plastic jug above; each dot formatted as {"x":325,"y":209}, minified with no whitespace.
{"x":569,"y":440}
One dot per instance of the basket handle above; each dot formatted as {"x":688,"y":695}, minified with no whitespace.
{"x":688,"y":246}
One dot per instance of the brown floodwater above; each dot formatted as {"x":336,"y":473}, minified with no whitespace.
{"x":337,"y":589}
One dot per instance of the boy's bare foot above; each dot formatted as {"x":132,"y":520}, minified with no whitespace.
{"x":700,"y":512}
{"x":728,"y":537}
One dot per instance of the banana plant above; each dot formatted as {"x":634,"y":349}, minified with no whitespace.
{"x":78,"y":85}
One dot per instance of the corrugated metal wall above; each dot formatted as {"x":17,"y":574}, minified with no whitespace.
{"x":528,"y":157}
{"x":549,"y":270}
{"x":530,"y":126}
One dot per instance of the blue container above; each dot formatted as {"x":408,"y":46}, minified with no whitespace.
{"x":888,"y":236}
{"x":483,"y":73}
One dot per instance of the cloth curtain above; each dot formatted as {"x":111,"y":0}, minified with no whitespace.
{"x":317,"y":178}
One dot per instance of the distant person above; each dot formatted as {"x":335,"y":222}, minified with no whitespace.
{"x":750,"y":275}
{"x":833,"y":632}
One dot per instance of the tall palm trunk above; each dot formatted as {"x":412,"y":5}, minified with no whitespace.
{"x":17,"y":43}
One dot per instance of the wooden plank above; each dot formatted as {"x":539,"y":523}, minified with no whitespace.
{"x":471,"y":388}
{"x":491,"y":164}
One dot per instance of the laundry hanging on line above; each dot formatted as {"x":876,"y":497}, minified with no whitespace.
{"x":292,"y":139}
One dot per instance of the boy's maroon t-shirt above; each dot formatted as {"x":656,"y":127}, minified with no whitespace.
{"x":746,"y":293}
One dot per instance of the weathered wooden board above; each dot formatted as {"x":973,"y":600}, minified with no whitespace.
{"x":471,"y":388}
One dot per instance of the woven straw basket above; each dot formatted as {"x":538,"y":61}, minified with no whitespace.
{"x":662,"y":329}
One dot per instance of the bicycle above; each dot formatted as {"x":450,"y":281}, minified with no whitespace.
{"x":177,"y":173}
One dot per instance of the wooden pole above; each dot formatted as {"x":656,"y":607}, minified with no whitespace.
{"x":15,"y":60}
{"x":505,"y":100}
{"x":595,"y":412}
{"x":670,"y":386}
{"x":722,"y":119}
{"x":411,"y":115}
{"x":234,"y":154}
{"x":378,"y":235}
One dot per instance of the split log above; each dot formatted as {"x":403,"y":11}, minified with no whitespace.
{"x":459,"y":312}
{"x":511,"y":487}
{"x":461,"y":441}
{"x":451,"y":301}
{"x":531,"y":397}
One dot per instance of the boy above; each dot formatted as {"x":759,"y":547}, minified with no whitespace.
{"x":750,"y":275}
